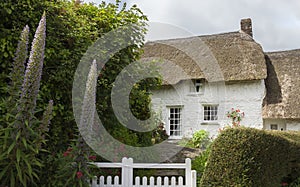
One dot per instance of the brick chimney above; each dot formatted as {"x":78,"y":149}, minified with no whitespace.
{"x":246,"y":26}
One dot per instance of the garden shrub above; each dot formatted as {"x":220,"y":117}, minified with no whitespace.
{"x":201,"y":139}
{"x":199,"y":163}
{"x":250,"y":157}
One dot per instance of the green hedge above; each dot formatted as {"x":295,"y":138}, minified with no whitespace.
{"x":251,"y":157}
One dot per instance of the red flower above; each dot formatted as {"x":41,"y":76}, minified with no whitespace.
{"x":92,"y":158}
{"x":69,"y":150}
{"x":79,"y":174}
{"x":66,"y":153}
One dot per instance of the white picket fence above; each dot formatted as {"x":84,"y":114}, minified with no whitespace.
{"x":127,"y":180}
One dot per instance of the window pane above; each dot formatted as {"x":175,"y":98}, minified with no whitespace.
{"x":210,"y":112}
{"x":175,"y":121}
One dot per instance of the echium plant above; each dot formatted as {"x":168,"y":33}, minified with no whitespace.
{"x":87,"y":123}
{"x":18,"y":69}
{"x":74,"y":170}
{"x":22,"y":135}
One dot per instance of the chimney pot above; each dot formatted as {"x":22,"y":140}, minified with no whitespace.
{"x":246,"y":26}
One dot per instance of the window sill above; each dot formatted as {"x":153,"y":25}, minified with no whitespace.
{"x":210,"y":123}
{"x":195,"y":93}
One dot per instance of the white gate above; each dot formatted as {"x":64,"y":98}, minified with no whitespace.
{"x":127,"y":166}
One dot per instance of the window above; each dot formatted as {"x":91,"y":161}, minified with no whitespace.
{"x":175,"y":121}
{"x":274,"y":127}
{"x":198,"y":86}
{"x":210,"y":112}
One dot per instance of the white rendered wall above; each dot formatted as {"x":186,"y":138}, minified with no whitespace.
{"x":280,"y":122}
{"x":293,"y":125}
{"x":283,"y":124}
{"x":246,"y":96}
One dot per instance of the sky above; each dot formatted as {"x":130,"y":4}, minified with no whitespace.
{"x":275,"y":23}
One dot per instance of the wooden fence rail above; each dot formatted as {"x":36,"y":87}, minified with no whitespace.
{"x":127,"y":179}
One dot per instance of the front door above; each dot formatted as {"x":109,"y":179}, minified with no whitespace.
{"x":175,"y":122}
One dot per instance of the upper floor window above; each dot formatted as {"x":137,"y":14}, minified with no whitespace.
{"x":198,"y":86}
{"x":210,"y":112}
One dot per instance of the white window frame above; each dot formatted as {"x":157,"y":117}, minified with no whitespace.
{"x":179,"y":117}
{"x":210,"y":113}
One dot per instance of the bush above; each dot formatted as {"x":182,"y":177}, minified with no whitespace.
{"x":251,"y":157}
{"x":201,"y":139}
{"x":199,"y":163}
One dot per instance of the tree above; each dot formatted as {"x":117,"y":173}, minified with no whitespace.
{"x":71,"y":28}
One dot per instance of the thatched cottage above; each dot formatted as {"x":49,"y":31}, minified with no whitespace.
{"x":207,"y":76}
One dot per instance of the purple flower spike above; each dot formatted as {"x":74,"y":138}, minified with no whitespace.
{"x":33,"y":73}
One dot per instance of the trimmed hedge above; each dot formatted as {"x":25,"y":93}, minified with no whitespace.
{"x":251,"y":157}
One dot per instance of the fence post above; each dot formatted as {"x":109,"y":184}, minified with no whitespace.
{"x":194,"y":178}
{"x":127,"y":171}
{"x":124,"y":171}
{"x":188,"y":174}
{"x":130,"y":172}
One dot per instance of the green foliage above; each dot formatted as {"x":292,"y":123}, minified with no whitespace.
{"x":72,"y":28}
{"x":251,"y":157}
{"x":22,"y":135}
{"x":70,"y":167}
{"x":201,"y":139}
{"x":199,"y":163}
{"x":295,"y":183}
{"x":159,"y":134}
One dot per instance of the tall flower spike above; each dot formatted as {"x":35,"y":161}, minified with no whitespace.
{"x":87,"y":114}
{"x":89,"y":100}
{"x":33,"y":73}
{"x":17,"y":74}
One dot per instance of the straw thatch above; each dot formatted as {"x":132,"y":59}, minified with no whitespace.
{"x":222,"y":57}
{"x":283,"y":83}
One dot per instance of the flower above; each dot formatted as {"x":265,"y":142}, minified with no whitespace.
{"x":79,"y":174}
{"x":66,"y":153}
{"x":235,"y":116}
{"x":92,"y":158}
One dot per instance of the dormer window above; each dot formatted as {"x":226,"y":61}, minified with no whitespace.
{"x":198,"y":86}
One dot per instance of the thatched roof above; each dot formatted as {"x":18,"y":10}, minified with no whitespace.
{"x":222,"y":57}
{"x":283,"y":83}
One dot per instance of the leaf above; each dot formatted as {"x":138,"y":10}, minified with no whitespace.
{"x":18,"y":135}
{"x":24,"y":141}
{"x":12,"y":178}
{"x":11,"y":147}
{"x":3,"y":172}
{"x":19,"y":153}
{"x":20,"y":174}
{"x":28,"y":165}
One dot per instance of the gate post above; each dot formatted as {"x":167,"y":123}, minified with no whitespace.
{"x":188,"y":173}
{"x":127,"y":171}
